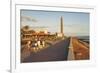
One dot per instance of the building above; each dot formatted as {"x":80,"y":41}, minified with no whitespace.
{"x":28,"y":34}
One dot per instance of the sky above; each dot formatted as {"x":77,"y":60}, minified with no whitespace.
{"x":75,"y":23}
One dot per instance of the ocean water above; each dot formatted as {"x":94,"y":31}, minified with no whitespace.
{"x":84,"y":38}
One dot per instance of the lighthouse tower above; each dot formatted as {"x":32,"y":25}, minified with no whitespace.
{"x":61,"y":25}
{"x":61,"y":34}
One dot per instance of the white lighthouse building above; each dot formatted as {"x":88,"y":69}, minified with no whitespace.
{"x":61,"y":34}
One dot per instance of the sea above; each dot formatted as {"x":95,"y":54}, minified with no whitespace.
{"x":84,"y":38}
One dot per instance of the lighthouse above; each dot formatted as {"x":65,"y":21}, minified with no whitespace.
{"x":61,"y":25}
{"x":61,"y":33}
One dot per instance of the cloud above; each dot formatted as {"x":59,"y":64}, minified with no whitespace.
{"x":28,"y":18}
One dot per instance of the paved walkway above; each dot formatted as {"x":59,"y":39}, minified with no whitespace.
{"x":57,"y":52}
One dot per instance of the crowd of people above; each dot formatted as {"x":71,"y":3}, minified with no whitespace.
{"x":36,"y":45}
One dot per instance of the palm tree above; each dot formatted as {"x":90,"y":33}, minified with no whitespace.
{"x":26,"y":27}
